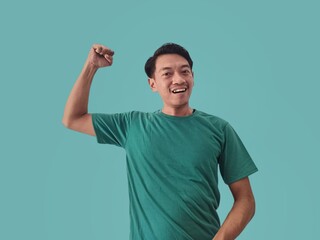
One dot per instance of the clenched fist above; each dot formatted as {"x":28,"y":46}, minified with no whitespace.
{"x":100,"y":56}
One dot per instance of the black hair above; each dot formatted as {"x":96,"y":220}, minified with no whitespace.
{"x":167,"y":48}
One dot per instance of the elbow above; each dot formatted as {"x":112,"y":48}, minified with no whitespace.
{"x":252,"y":207}
{"x":248,"y":206}
{"x":66,"y":122}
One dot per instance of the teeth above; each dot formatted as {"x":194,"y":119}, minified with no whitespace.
{"x":179,"y":90}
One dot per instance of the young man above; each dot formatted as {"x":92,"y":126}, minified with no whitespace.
{"x":173,"y":155}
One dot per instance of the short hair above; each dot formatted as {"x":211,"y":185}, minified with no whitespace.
{"x":167,"y":48}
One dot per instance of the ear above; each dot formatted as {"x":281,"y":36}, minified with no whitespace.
{"x":152,"y":84}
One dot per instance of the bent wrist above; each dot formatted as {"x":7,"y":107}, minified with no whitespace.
{"x":90,"y":66}
{"x":89,"y":70}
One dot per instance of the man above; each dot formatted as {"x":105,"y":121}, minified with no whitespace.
{"x":173,"y":155}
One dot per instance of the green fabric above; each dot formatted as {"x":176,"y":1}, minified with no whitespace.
{"x":172,"y":167}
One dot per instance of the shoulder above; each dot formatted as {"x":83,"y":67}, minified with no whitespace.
{"x":129,"y":115}
{"x":212,"y":119}
{"x":139,"y":116}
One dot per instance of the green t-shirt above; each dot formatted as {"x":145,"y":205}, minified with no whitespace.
{"x":172,"y":169}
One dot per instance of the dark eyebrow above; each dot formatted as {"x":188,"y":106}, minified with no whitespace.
{"x":169,"y":68}
{"x":165,"y":68}
{"x":186,"y":65}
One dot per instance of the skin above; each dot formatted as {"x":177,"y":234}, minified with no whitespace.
{"x":172,"y":72}
{"x":241,"y":213}
{"x":76,"y":116}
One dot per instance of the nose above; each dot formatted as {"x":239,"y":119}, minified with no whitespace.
{"x":178,"y":79}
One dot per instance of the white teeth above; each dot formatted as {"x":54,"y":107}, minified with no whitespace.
{"x":179,"y":90}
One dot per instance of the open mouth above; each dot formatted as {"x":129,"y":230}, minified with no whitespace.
{"x":179,"y":90}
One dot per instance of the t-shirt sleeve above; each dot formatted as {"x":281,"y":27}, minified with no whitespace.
{"x":235,"y":162}
{"x":111,"y":128}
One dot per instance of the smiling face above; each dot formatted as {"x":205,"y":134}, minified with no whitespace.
{"x":173,"y":80}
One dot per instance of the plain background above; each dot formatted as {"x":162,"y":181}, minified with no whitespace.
{"x":256,"y":65}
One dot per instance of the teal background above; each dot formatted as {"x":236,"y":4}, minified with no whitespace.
{"x":256,"y":65}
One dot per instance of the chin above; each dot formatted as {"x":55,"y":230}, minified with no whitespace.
{"x":179,"y":104}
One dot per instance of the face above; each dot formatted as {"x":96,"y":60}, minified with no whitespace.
{"x":173,"y":80}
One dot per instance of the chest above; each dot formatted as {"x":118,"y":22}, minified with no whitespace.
{"x":174,"y":148}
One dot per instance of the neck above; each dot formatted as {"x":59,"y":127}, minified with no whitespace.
{"x":180,"y":112}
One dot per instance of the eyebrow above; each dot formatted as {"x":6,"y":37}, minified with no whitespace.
{"x":169,"y":68}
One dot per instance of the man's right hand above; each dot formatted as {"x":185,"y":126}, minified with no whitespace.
{"x":100,"y":56}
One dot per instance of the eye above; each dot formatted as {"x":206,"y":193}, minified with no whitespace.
{"x":166,"y":74}
{"x":186,"y":71}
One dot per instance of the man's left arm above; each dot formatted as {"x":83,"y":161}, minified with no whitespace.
{"x":241,"y":213}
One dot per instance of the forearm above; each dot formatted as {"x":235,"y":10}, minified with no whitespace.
{"x":77,"y":103}
{"x":239,"y":216}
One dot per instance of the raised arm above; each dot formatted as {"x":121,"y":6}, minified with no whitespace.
{"x":76,"y":115}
